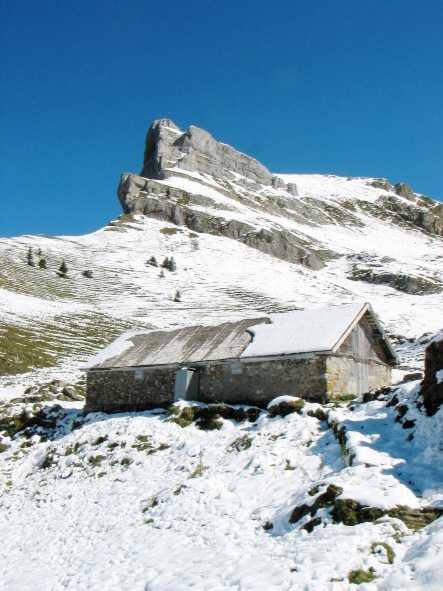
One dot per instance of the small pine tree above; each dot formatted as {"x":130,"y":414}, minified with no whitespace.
{"x":172,"y":265}
{"x":63,"y":269}
{"x":178,"y":296}
{"x":42,"y":264}
{"x":30,"y":258}
{"x":87,"y":274}
{"x":166,"y":263}
{"x":162,"y":273}
{"x":39,"y":252}
{"x":152,"y":262}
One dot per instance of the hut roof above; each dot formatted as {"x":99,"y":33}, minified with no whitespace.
{"x":321,"y":330}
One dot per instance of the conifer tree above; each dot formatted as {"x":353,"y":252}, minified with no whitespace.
{"x":42,"y":264}
{"x":166,"y":263}
{"x":152,"y":261}
{"x":178,"y":296}
{"x":30,"y":258}
{"x":63,"y":269}
{"x":162,"y":273}
{"x":172,"y":265}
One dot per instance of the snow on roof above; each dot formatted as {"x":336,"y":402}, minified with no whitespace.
{"x":302,"y":331}
{"x":320,"y":330}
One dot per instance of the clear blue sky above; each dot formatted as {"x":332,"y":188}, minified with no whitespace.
{"x":353,"y":88}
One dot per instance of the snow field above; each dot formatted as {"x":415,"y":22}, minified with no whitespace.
{"x":132,"y":501}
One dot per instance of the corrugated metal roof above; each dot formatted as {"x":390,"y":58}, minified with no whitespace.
{"x":300,"y":331}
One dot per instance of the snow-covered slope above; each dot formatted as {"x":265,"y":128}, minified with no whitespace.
{"x":135,"y":501}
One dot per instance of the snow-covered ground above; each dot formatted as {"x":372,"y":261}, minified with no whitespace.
{"x":134,"y":501}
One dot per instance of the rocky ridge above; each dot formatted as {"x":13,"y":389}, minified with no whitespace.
{"x":190,"y":179}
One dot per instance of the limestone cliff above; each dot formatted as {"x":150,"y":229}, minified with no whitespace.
{"x":190,"y":179}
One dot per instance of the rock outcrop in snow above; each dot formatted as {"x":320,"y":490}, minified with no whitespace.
{"x":432,"y":389}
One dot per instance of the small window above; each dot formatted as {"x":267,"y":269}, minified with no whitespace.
{"x":139,"y":374}
{"x":236,"y":369}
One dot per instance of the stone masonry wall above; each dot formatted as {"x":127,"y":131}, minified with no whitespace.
{"x":118,"y":391}
{"x":346,"y":376}
{"x":262,"y":381}
{"x":257,"y":383}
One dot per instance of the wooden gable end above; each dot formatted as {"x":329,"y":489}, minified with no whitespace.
{"x":364,"y":342}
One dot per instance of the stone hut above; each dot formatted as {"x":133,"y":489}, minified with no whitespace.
{"x":315,"y":354}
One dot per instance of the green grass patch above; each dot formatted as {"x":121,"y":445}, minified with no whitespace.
{"x":390,"y":554}
{"x":345,"y":397}
{"x":169,"y":231}
{"x":240,"y":444}
{"x":358,"y":577}
{"x":95,"y":461}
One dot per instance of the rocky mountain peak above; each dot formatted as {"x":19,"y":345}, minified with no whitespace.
{"x":194,"y":181}
{"x":195,"y":150}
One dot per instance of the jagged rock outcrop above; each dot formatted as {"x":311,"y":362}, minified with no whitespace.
{"x":407,"y":283}
{"x":168,"y":148}
{"x":404,"y":190}
{"x":151,"y":198}
{"x":381,"y":184}
{"x":432,"y":389}
{"x":423,"y":212}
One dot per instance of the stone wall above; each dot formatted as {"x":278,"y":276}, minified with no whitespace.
{"x":260,"y":382}
{"x":314,"y":378}
{"x":133,"y":390}
{"x":347,"y":376}
{"x":255,"y":383}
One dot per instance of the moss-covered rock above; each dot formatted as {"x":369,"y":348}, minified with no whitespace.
{"x":208,"y":417}
{"x":286,"y":407}
{"x":326,"y":499}
{"x":415,"y":518}
{"x":350,"y":512}
{"x":240,"y":444}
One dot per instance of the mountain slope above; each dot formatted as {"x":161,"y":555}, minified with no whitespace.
{"x":246,"y":243}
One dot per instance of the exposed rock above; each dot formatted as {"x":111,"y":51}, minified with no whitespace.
{"x":404,"y":190}
{"x":381,"y":184}
{"x":423,"y":213}
{"x":196,"y":150}
{"x":350,"y":512}
{"x":292,"y":189}
{"x":324,"y":500}
{"x":171,"y":153}
{"x":411,"y":377}
{"x":432,"y":389}
{"x":71,"y":393}
{"x":149,"y":197}
{"x":286,"y":407}
{"x":407,"y":283}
